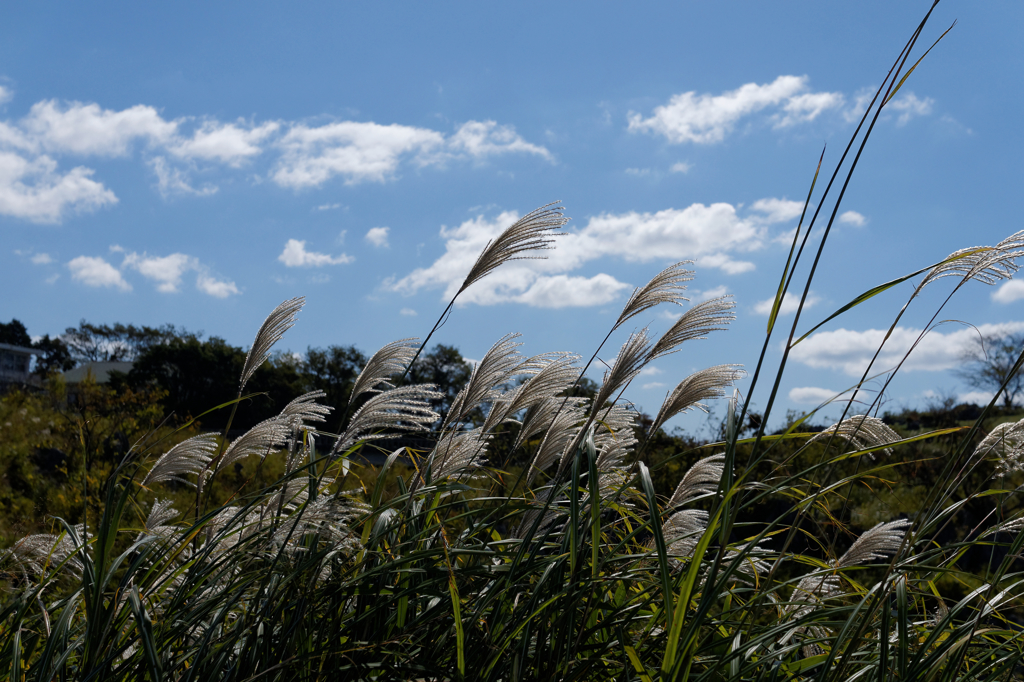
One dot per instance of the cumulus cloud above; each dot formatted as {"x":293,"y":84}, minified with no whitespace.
{"x":1010,"y":291}
{"x":295,"y":255}
{"x":778,"y":210}
{"x":378,"y":236}
{"x":852,"y":218}
{"x":214,"y":287}
{"x":790,"y":303}
{"x":166,"y":271}
{"x":711,"y":234}
{"x":96,"y":272}
{"x":41,"y":259}
{"x":306,"y":156}
{"x":850,"y":351}
{"x":486,"y":138}
{"x":811,"y":395}
{"x":88,"y":129}
{"x":910,"y":106}
{"x":170,"y":180}
{"x":34,"y":190}
{"x":705,"y":118}
{"x":228,"y":143}
{"x":361,"y":152}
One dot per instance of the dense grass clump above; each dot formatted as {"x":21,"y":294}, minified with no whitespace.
{"x":521,"y":535}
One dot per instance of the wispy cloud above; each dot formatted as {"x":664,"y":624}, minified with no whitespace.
{"x":295,"y":255}
{"x":706,"y":118}
{"x":790,"y":303}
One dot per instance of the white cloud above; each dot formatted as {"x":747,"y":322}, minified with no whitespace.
{"x":378,"y":236}
{"x":850,"y":351}
{"x":652,"y":384}
{"x":87,"y":129}
{"x":372,"y":152}
{"x":976,"y":397}
{"x":909,"y":106}
{"x":705,"y":118}
{"x":486,"y":138}
{"x":174,"y":181}
{"x":52,"y":278}
{"x":165,"y":270}
{"x":790,"y":302}
{"x":778,"y":210}
{"x":328,"y":207}
{"x":295,"y":255}
{"x":638,"y":171}
{"x":96,"y":272}
{"x":811,"y":395}
{"x":42,"y":259}
{"x":35,"y":191}
{"x":558,"y":291}
{"x":356,"y":151}
{"x":214,"y":287}
{"x":807,"y":107}
{"x":225,"y":142}
{"x":650,"y":371}
{"x":707,"y":294}
{"x":708,"y":233}
{"x":852,"y":218}
{"x":1010,"y":291}
{"x":680,"y":167}
{"x":6,"y":95}
{"x":408,"y":312}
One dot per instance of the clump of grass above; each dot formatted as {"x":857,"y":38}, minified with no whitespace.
{"x":531,"y":544}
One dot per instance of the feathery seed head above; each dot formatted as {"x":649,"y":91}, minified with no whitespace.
{"x":986,"y":264}
{"x":861,"y":431}
{"x":634,"y":354}
{"x":701,"y":479}
{"x":280,"y":320}
{"x":665,"y":287}
{"x":189,"y":457}
{"x":701,"y":385}
{"x":532,"y":232}
{"x":696,"y":323}
{"x":390,"y":360}
{"x":877,"y":543}
{"x":406,"y":408}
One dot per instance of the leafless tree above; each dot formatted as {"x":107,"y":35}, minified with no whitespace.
{"x":989,"y":365}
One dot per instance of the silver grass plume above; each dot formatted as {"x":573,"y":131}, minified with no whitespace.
{"x":497,"y":367}
{"x":665,"y":287}
{"x":559,"y":432}
{"x":696,"y":323}
{"x":877,"y":543}
{"x":701,"y":479}
{"x":540,"y":417}
{"x":682,"y":531}
{"x":273,"y":328}
{"x":329,"y":517}
{"x":35,"y":553}
{"x":557,"y":373}
{"x":259,"y":440}
{"x":702,"y":385}
{"x":861,"y":431}
{"x":1007,"y":442}
{"x":458,"y":452}
{"x":405,"y":407}
{"x":634,"y":354}
{"x":986,"y":264}
{"x":159,"y":520}
{"x":305,"y":409}
{"x":532,"y":232}
{"x":189,"y":457}
{"x":390,"y":360}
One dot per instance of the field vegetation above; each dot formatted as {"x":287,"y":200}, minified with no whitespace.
{"x":522,"y":523}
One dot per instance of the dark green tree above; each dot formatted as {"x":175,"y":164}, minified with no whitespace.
{"x":14,"y":333}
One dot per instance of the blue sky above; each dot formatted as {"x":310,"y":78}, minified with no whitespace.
{"x":198,"y":164}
